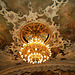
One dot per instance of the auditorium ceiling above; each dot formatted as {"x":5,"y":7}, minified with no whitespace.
{"x":37,"y":37}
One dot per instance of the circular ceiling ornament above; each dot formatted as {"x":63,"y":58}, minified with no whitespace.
{"x":35,"y":29}
{"x":35,"y":51}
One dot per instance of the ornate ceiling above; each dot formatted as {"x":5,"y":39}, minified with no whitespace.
{"x":53,"y":21}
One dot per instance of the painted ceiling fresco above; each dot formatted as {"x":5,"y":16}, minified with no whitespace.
{"x":59,"y":14}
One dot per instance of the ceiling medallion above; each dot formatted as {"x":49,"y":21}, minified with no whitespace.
{"x":38,"y":34}
{"x":35,"y":29}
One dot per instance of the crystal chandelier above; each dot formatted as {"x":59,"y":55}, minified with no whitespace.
{"x":35,"y":51}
